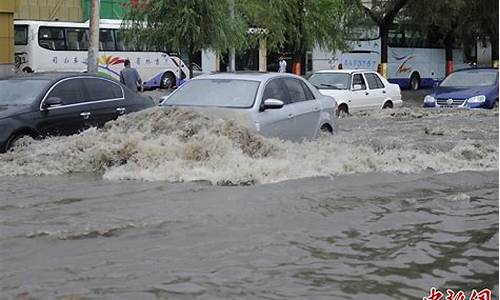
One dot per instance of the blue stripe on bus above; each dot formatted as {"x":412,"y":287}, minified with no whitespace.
{"x":154,"y":82}
{"x":404,"y":83}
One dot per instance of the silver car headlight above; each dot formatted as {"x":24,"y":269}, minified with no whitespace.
{"x":477,"y":99}
{"x":429,"y":99}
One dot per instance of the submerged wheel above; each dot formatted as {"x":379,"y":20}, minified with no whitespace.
{"x":11,"y":143}
{"x":167,"y":81}
{"x":342,"y":110}
{"x":326,"y":128}
{"x":388,"y":104}
{"x":415,"y":82}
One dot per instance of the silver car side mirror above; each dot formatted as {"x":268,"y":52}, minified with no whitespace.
{"x":273,"y":104}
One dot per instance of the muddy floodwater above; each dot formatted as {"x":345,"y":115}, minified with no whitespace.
{"x":170,"y":204}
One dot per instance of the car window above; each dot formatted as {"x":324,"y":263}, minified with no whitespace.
{"x":307,"y":91}
{"x":215,"y":92}
{"x":374,"y":81}
{"x":358,"y":79}
{"x":70,"y":91}
{"x":102,"y":89}
{"x":21,"y":91}
{"x":295,"y":90}
{"x":274,"y":90}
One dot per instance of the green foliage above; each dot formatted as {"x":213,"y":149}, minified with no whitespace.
{"x":460,"y":20}
{"x":192,"y":25}
{"x":189,"y":25}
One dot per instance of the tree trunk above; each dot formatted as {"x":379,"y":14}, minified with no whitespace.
{"x":494,"y":50}
{"x":93,"y":51}
{"x":384,"y":37}
{"x":448,"y":49}
{"x":297,"y":62}
{"x":190,"y":63}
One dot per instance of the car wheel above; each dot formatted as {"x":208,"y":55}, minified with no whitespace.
{"x":387,"y":104}
{"x":12,"y":142}
{"x":342,"y":111}
{"x":325,"y":128}
{"x":415,"y":82}
{"x":167,"y":81}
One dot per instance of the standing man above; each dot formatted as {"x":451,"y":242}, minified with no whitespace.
{"x":282,"y":68}
{"x":130,"y":77}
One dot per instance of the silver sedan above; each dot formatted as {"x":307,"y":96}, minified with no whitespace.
{"x":273,"y":104}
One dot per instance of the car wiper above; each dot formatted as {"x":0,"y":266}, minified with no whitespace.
{"x":329,"y":85}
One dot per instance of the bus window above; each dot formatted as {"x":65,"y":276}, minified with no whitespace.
{"x":106,"y":40}
{"x":51,"y":38}
{"x":122,"y":44}
{"x":77,"y":39}
{"x":21,"y":35}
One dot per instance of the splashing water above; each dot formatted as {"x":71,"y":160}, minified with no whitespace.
{"x":183,"y":145}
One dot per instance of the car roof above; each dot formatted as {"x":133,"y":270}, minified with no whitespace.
{"x":256,"y":76}
{"x":53,"y":76}
{"x":344,"y":71}
{"x":476,"y":69}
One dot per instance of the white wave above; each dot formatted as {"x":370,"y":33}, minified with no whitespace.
{"x":182,"y":145}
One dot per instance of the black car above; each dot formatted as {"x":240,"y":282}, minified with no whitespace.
{"x":61,"y":104}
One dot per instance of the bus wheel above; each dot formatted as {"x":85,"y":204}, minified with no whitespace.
{"x":167,"y":81}
{"x":415,"y":82}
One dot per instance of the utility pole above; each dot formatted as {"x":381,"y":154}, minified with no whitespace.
{"x":232,"y":52}
{"x":94,"y":36}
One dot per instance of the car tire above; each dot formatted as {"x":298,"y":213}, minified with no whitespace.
{"x":11,"y":142}
{"x":326,"y":128}
{"x":388,"y":104}
{"x":342,"y":110}
{"x":167,"y":81}
{"x":415,"y":82}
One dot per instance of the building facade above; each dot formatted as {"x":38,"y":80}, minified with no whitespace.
{"x":7,"y":10}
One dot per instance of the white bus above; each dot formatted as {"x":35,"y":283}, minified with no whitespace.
{"x":415,"y":59}
{"x":62,"y":46}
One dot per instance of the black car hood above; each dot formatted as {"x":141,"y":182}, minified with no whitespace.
{"x":7,"y":111}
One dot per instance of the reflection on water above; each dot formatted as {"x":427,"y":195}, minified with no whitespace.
{"x":373,"y":236}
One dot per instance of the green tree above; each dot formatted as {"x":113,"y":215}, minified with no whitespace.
{"x":383,"y":13}
{"x":445,"y":17}
{"x":459,"y":22}
{"x":323,"y":23}
{"x":185,"y":25}
{"x":482,"y":23}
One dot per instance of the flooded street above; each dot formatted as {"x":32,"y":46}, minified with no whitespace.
{"x":176,"y":205}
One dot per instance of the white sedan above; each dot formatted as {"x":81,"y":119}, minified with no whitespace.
{"x":356,"y":90}
{"x":273,"y":104}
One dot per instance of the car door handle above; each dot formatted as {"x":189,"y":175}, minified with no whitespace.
{"x":366,"y":93}
{"x":383,"y":91}
{"x":121,"y":110}
{"x":85,"y":115}
{"x":316,"y":109}
{"x":290,"y":116}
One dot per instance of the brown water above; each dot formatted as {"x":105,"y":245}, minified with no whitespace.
{"x":395,"y":203}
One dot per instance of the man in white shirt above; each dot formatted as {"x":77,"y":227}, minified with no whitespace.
{"x":282,"y":68}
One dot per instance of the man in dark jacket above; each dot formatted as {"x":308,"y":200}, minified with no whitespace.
{"x":130,"y":77}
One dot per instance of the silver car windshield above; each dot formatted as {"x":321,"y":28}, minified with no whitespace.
{"x":470,"y":78}
{"x":21,"y":91}
{"x":232,"y":93}
{"x":330,"y":81}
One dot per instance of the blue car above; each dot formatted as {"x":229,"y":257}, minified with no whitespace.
{"x":467,"y":88}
